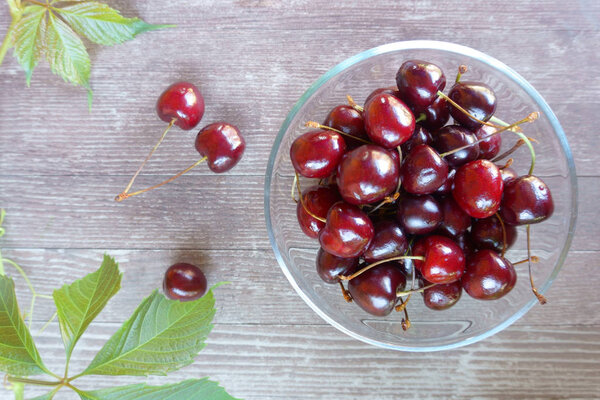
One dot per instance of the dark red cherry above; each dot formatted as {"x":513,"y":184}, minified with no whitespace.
{"x":464,"y":242}
{"x":418,"y":215}
{"x":418,"y":83}
{"x":389,"y":241}
{"x":183,"y":102}
{"x":375,"y":289}
{"x":367,"y":174}
{"x":436,"y":114}
{"x":488,"y":276}
{"x":318,"y":200}
{"x":487,"y":234}
{"x":316,"y":154}
{"x":527,"y":200}
{"x":184,"y":282}
{"x":446,"y":187}
{"x":419,"y":136}
{"x":478,"y":188}
{"x":330,"y":267}
{"x":477,"y":98}
{"x":423,"y":170}
{"x":222,"y":144}
{"x":346,"y":119}
{"x":452,"y":137}
{"x":348,"y":231}
{"x":389,"y":122}
{"x":454,"y":221}
{"x":393,"y":90}
{"x":444,"y":259}
{"x":490,"y":147}
{"x":442,"y":296}
{"x":508,"y":174}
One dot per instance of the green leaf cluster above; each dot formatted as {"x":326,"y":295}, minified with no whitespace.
{"x":46,"y":30}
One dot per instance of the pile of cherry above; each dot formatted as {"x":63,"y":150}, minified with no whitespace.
{"x":408,"y":204}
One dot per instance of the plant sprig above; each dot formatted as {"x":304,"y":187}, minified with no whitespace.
{"x":161,"y":336}
{"x":42,"y":28}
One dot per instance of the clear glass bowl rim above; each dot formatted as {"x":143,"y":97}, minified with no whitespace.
{"x":452,"y":48}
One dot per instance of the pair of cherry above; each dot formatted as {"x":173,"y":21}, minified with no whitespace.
{"x":220,"y":144}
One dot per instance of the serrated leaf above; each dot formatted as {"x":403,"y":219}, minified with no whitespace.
{"x":102,"y":24}
{"x":18,"y":354}
{"x":191,"y":389}
{"x":161,"y":336}
{"x":66,"y":53}
{"x":28,"y":38}
{"x":79,"y":303}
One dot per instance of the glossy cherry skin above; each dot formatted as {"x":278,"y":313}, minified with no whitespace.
{"x":367,"y":174}
{"x":487,"y":234}
{"x":423,"y":170}
{"x":478,"y":188}
{"x":490,"y":147}
{"x":508,"y":174}
{"x":527,"y":200}
{"x":393,"y":90}
{"x":183,"y":102}
{"x":418,"y":83}
{"x":184,"y":282}
{"x":348,"y":231}
{"x":436,"y":114}
{"x":488,"y":276}
{"x":419,"y":136}
{"x":222,"y":144}
{"x":316,"y":154}
{"x":465,"y":243}
{"x":375,"y":289}
{"x":444,"y":259}
{"x":418,"y":215}
{"x":446,"y":187}
{"x":452,"y":137}
{"x":454,"y":220}
{"x":442,"y":296}
{"x":330,"y":267}
{"x":388,"y":121}
{"x":318,"y":200}
{"x":477,"y":98}
{"x":389,"y":241}
{"x":346,"y":119}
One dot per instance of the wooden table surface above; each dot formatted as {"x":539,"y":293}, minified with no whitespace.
{"x":61,"y":166}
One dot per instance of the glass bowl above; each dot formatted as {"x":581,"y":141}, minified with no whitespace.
{"x":469,"y":320}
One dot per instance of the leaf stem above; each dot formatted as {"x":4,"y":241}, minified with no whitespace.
{"x":36,"y":382}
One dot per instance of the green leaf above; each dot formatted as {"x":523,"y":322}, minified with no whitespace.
{"x":79,"y":303}
{"x":28,"y":37}
{"x":18,"y":354}
{"x":66,"y":53}
{"x":18,"y":389}
{"x":191,"y":389}
{"x":47,"y":396}
{"x":161,"y":336}
{"x":102,"y":24}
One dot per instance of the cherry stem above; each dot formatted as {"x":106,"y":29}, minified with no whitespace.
{"x":405,"y":320}
{"x":462,"y":69}
{"x":421,"y":117}
{"x":534,"y":259}
{"x":503,"y":233}
{"x":368,"y":267}
{"x":508,"y":152}
{"x":402,"y":305}
{"x":294,"y":189}
{"x":124,"y":196}
{"x":297,"y":180}
{"x":315,"y":124}
{"x":418,"y":290}
{"x":353,"y":104}
{"x":148,"y":156}
{"x":345,"y":293}
{"x":455,"y":104}
{"x":508,"y":163}
{"x":539,"y":296}
{"x":533,"y":116}
{"x":386,"y":200}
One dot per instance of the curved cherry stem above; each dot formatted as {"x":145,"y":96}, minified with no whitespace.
{"x":527,"y":141}
{"x":418,"y":290}
{"x":124,"y":196}
{"x":368,"y":267}
{"x":315,"y":124}
{"x":508,"y":152}
{"x":297,"y":181}
{"x":353,"y":104}
{"x":403,"y":303}
{"x":539,"y":296}
{"x":345,"y":293}
{"x":386,"y":200}
{"x":405,"y":320}
{"x":462,"y":69}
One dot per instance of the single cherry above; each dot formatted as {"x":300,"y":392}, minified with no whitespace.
{"x":418,"y":215}
{"x":182,"y":102}
{"x":389,"y":241}
{"x":487,"y":233}
{"x":375,"y":289}
{"x":222,"y":144}
{"x":444,"y":259}
{"x":318,"y":200}
{"x":423,"y":170}
{"x":477,"y":98}
{"x":419,"y":136}
{"x":418,"y":83}
{"x":346,"y":119}
{"x":330,"y":267}
{"x":452,"y":137}
{"x":478,"y":188}
{"x":454,"y":220}
{"x":367,"y":174}
{"x":389,"y":122}
{"x":184,"y":282}
{"x":347,"y":232}
{"x":490,"y":147}
{"x":316,"y":154}
{"x":527,"y":200}
{"x":488,"y":276}
{"x":436,"y":114}
{"x":393,"y":90}
{"x":442,"y":296}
